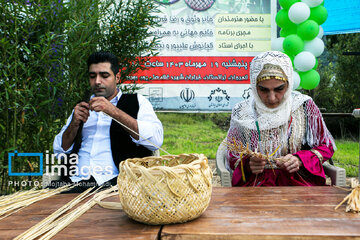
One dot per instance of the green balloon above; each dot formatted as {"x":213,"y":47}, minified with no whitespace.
{"x":284,"y":32}
{"x":310,"y":79}
{"x":286,"y":4}
{"x":319,"y":14}
{"x":316,"y":64}
{"x":293,"y":44}
{"x":291,"y":58}
{"x":282,"y":18}
{"x":308,"y":30}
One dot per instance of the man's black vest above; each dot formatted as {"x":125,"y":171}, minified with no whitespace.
{"x":122,"y":147}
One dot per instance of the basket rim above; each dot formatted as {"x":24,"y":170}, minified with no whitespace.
{"x":197,"y":164}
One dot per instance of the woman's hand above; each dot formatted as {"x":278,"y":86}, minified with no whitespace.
{"x":289,"y":163}
{"x":257,"y":165}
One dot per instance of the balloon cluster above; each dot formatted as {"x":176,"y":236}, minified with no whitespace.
{"x":300,"y":38}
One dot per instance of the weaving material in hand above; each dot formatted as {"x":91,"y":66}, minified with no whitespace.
{"x":165,"y":189}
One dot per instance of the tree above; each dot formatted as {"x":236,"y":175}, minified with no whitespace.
{"x":347,"y":71}
{"x":339,"y":89}
{"x":44,"y":45}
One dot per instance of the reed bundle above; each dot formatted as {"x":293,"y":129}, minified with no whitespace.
{"x":70,"y":217}
{"x":62,"y":217}
{"x":239,"y":148}
{"x":10,"y":204}
{"x":353,"y":198}
{"x":47,"y":224}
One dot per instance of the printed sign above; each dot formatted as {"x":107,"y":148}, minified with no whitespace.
{"x":205,"y":50}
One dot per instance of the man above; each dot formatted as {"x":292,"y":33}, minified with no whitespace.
{"x":100,"y":142}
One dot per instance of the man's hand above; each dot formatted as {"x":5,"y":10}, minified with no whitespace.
{"x":289,"y":163}
{"x":257,"y":164}
{"x":101,"y":104}
{"x":81,"y":113}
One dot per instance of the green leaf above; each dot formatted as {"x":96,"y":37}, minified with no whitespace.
{"x":45,"y":102}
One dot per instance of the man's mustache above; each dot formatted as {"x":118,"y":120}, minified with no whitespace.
{"x":99,"y":87}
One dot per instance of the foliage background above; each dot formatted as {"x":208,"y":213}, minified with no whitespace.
{"x":44,"y":45}
{"x":339,"y":89}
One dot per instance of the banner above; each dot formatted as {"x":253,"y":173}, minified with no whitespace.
{"x":343,"y":17}
{"x":205,"y":50}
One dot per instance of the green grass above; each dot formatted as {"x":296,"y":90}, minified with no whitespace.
{"x":347,"y":157}
{"x":190,"y":133}
{"x":198,"y":133}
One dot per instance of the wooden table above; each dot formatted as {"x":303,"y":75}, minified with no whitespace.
{"x":233,"y":213}
{"x":97,"y":223}
{"x":271,"y":213}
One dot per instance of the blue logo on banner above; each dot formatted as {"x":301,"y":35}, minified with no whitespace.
{"x":12,"y":156}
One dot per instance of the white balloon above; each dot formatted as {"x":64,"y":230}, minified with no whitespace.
{"x":315,"y":46}
{"x":296,"y":80}
{"x":312,"y":3}
{"x":304,"y":61}
{"x":277,"y":44}
{"x":299,"y":12}
{"x":321,"y":32}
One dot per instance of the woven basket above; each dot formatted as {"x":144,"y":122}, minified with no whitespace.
{"x":166,"y":189}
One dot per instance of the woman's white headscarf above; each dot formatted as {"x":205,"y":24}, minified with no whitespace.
{"x":264,"y":128}
{"x":257,"y":110}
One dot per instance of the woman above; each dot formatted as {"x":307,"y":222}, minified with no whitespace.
{"x":284,"y":125}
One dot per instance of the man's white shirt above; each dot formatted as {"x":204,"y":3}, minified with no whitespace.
{"x":95,"y":156}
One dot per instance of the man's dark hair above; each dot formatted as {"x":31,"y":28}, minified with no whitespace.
{"x":102,"y":56}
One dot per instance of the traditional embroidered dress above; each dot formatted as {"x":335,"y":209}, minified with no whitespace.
{"x":296,"y":126}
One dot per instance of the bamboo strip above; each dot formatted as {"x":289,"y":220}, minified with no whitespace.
{"x":43,"y":226}
{"x":61,"y":218}
{"x":239,"y":148}
{"x":352,"y":199}
{"x":129,"y":129}
{"x":79,"y":211}
{"x":19,"y":200}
